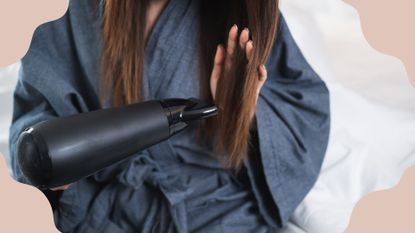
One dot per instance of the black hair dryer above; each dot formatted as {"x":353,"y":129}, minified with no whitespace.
{"x":63,"y":150}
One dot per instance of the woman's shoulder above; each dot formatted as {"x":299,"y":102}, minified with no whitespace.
{"x":88,"y":12}
{"x":64,"y":53}
{"x":283,"y":38}
{"x":286,"y":58}
{"x":79,"y":27}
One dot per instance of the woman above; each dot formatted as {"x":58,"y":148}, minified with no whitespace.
{"x":245,"y":171}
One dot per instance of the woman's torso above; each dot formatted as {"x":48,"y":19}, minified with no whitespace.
{"x":178,"y":185}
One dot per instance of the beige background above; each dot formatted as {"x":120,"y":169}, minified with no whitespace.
{"x":386,"y":27}
{"x":389,"y":27}
{"x":23,"y":208}
{"x":18,"y":20}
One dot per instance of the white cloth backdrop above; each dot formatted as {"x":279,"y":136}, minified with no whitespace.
{"x":373,"y":113}
{"x":373,"y":117}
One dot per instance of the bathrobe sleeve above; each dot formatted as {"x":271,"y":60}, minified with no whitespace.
{"x":51,"y":82}
{"x":58,"y":77}
{"x":292,"y":120}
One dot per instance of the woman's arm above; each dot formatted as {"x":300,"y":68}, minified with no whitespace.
{"x":59,"y":74}
{"x":58,"y":77}
{"x":29,"y":107}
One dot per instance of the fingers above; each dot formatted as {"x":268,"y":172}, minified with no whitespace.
{"x":262,"y":71}
{"x":217,"y":69}
{"x":244,"y":43}
{"x":224,"y":57}
{"x":248,"y":49}
{"x":232,"y":37}
{"x":219,"y":56}
{"x":243,"y":38}
{"x":231,"y":46}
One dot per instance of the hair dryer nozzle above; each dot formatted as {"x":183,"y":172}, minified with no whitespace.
{"x":180,"y":112}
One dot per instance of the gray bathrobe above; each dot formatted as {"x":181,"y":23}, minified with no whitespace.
{"x":177,"y":185}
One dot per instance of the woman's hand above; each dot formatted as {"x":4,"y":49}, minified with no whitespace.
{"x":224,"y":58}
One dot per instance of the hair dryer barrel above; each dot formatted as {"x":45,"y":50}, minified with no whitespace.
{"x":63,"y":150}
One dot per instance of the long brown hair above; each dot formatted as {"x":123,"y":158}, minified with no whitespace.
{"x":123,"y":61}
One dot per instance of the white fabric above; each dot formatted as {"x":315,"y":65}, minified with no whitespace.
{"x":373,"y":119}
{"x":8,"y":77}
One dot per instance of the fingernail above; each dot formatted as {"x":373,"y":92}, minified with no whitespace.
{"x":262,"y":67}
{"x":251,"y":43}
{"x":235,"y":26}
{"x":217,"y":54}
